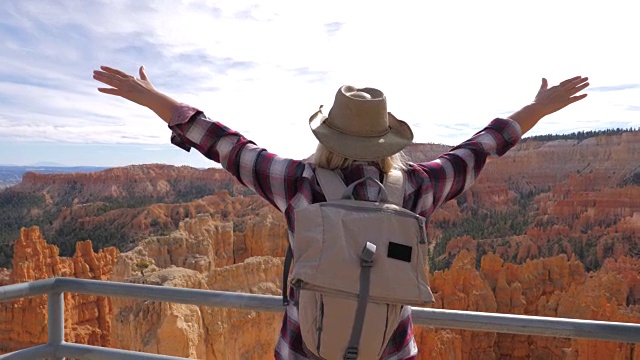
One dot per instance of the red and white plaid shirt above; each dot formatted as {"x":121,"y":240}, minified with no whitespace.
{"x":291,"y":184}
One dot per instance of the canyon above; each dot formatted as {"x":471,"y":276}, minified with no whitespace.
{"x":198,"y":256}
{"x":551,"y":229}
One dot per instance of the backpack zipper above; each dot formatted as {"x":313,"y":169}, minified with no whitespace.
{"x":401,"y":212}
{"x":350,"y":295}
{"x":423,"y":234}
{"x":319,"y":323}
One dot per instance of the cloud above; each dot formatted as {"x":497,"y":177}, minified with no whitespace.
{"x":307,"y":74}
{"x":219,"y":65}
{"x":333,"y":27}
{"x":614,"y":87}
{"x":455,"y":127}
{"x":262,"y":66}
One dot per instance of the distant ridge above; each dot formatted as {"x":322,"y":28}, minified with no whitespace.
{"x":12,"y":174}
{"x":579,"y":135}
{"x":48,"y":163}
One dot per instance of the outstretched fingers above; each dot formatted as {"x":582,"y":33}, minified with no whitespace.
{"x":110,"y":91}
{"x":575,"y":86}
{"x":557,"y":97}
{"x":578,"y":88}
{"x":107,"y":78}
{"x":115,"y":72}
{"x":569,"y":81}
{"x":119,"y":83}
{"x":577,"y":98}
{"x":573,"y":82}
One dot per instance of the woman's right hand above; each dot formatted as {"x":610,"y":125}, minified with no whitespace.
{"x":138,"y":90}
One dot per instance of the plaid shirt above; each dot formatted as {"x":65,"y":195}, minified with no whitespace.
{"x":291,"y":184}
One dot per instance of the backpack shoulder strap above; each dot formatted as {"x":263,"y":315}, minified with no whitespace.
{"x":331,"y":184}
{"x":332,"y":187}
{"x":394,"y":185}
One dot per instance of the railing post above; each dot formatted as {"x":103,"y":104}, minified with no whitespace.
{"x":55,"y":323}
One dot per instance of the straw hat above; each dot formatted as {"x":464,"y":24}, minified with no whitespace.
{"x":359,"y":127}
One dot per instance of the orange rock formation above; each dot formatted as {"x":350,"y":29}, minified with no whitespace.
{"x":152,"y":181}
{"x":556,"y":287}
{"x":23,"y":322}
{"x":229,"y":243}
{"x":203,"y":254}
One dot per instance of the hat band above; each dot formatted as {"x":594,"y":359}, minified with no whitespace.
{"x":355,"y":134}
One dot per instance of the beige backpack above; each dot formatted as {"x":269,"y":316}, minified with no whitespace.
{"x":355,"y":265}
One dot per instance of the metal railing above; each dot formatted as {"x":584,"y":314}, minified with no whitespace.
{"x":57,"y":348}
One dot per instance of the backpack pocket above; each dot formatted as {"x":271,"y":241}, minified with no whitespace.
{"x":326,"y":322}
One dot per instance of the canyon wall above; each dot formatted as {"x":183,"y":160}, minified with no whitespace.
{"x":203,"y":254}
{"x":556,"y":287}
{"x":576,"y":253}
{"x":195,"y":257}
{"x":23,"y":322}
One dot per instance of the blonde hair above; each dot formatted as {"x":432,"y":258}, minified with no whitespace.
{"x":327,"y":159}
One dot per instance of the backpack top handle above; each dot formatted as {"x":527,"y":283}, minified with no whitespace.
{"x":334,"y":188}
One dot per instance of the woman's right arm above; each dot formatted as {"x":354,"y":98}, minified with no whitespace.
{"x":454,"y":172}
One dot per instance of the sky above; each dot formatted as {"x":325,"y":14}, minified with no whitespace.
{"x":263,"y":67}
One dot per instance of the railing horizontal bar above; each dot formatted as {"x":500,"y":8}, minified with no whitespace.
{"x":25,"y":289}
{"x":528,"y":325}
{"x":35,"y":352}
{"x":479,"y":321}
{"x":169,"y":294}
{"x":439,"y":318}
{"x":88,"y":352}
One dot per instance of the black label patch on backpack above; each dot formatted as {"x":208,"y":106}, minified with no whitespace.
{"x":399,"y":252}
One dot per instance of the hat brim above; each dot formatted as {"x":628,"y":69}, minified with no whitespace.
{"x":361,"y":147}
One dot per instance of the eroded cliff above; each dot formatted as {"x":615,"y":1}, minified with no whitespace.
{"x":23,"y":322}
{"x":556,"y":286}
{"x":547,"y":230}
{"x":203,"y":254}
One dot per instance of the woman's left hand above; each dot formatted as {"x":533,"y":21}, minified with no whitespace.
{"x":138,"y":90}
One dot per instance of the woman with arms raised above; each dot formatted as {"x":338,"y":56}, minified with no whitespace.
{"x":358,"y":138}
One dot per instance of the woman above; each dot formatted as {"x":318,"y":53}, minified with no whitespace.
{"x":357,"y":138}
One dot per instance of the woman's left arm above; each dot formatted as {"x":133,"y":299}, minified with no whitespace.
{"x":274,"y":178}
{"x":138,"y":90}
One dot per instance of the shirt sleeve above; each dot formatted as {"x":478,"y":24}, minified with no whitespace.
{"x":274,"y":178}
{"x":456,"y":170}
